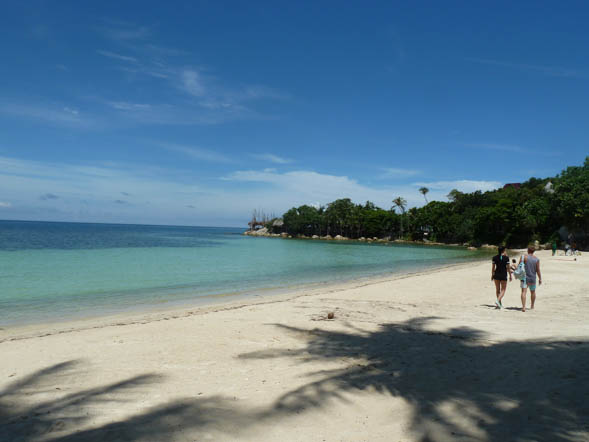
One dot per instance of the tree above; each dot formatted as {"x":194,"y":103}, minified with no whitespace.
{"x":454,"y":195}
{"x":424,"y":191}
{"x":401,"y":203}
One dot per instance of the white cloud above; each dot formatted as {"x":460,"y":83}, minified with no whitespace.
{"x":192,"y":82}
{"x":284,"y":190}
{"x":271,"y":158}
{"x":5,"y":205}
{"x":117,"y":56}
{"x":92,"y":192}
{"x":394,"y":172}
{"x":198,"y":153}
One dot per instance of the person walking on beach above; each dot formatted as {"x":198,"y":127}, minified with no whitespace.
{"x":532,"y":265}
{"x":499,"y":269}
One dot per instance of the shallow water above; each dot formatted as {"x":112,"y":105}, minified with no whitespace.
{"x":55,"y":271}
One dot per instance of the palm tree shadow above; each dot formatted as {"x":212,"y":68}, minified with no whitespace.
{"x":32,"y":409}
{"x":459,"y":385}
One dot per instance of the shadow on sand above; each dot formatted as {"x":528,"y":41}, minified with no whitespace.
{"x":29,"y":410}
{"x":459,"y":385}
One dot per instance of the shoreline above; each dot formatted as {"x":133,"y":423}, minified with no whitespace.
{"x":154,"y":314}
{"x":402,"y":359}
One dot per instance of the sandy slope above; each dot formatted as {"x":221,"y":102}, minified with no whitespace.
{"x":424,"y":357}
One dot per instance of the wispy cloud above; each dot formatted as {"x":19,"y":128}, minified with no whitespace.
{"x":192,"y":82}
{"x":512,"y":148}
{"x":127,"y":106}
{"x":53,"y":114}
{"x":208,"y":99}
{"x":117,"y":56}
{"x":552,"y":71}
{"x":48,"y":196}
{"x":124,"y":31}
{"x":395,"y":172}
{"x":461,"y":185}
{"x":198,"y":153}
{"x":270,"y":157}
{"x":5,"y":205}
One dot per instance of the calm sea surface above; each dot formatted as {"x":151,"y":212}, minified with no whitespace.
{"x":55,"y":271}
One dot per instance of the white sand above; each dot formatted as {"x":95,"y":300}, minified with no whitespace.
{"x":424,"y":357}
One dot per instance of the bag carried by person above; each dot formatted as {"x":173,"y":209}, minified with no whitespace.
{"x":520,"y":271}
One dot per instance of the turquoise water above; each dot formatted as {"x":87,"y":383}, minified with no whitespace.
{"x":56,"y":271}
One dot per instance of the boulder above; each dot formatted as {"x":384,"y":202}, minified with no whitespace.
{"x":315,"y":237}
{"x":284,"y":235}
{"x":327,"y":237}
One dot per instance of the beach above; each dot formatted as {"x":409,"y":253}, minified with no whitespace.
{"x":413,"y":357}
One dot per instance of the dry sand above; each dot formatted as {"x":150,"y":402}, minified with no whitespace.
{"x":424,"y":357}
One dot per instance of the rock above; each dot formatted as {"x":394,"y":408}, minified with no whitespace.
{"x":327,"y":237}
{"x":330,"y":315}
{"x":315,"y":237}
{"x":472,"y":248}
{"x":361,"y":239}
{"x":284,"y":235}
{"x":339,"y":237}
{"x":260,"y":232}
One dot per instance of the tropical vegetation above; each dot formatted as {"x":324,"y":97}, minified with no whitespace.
{"x":545,"y":210}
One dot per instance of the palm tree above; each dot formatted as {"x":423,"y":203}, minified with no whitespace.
{"x":401,"y":203}
{"x":423,"y":191}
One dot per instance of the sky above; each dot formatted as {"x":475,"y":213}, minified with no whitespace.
{"x":198,"y":112}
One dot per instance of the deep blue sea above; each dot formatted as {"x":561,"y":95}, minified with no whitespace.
{"x":56,"y":271}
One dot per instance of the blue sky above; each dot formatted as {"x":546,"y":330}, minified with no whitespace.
{"x":195,"y":113}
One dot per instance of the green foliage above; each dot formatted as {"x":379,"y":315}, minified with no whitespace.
{"x":511,"y":216}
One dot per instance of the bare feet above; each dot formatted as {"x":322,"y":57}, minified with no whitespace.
{"x":523,"y":310}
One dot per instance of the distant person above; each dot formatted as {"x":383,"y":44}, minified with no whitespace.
{"x":554,"y":248}
{"x":532,"y":265}
{"x":499,"y":269}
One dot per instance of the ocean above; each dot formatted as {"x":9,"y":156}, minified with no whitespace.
{"x":52,"y":271}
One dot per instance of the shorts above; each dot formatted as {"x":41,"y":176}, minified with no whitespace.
{"x":524,"y":285}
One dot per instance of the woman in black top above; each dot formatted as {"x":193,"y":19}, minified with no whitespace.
{"x":499,"y":270}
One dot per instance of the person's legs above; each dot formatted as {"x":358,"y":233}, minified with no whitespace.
{"x":524,"y":287}
{"x":532,"y":295}
{"x":502,"y":292}
{"x":497,"y":291}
